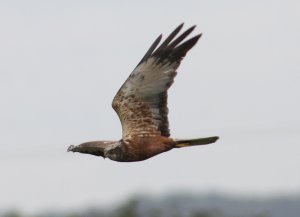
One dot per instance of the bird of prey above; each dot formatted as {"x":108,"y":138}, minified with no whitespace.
{"x":141,"y":104}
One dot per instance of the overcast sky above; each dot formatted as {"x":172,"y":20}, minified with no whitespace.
{"x":61,"y":63}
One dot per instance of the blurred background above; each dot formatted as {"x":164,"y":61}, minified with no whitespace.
{"x":62,"y":62}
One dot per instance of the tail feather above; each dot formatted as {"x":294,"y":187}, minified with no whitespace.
{"x":191,"y":142}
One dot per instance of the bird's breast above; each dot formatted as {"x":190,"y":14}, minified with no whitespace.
{"x":142,"y":148}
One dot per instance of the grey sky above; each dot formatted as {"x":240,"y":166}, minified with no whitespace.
{"x":61,"y":63}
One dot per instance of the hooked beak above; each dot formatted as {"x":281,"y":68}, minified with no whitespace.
{"x":71,"y":148}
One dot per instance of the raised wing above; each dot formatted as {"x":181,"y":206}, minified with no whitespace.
{"x":141,"y":102}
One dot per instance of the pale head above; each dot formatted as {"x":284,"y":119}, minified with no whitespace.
{"x":96,"y":148}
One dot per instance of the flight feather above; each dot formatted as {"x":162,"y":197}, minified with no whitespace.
{"x":141,"y":102}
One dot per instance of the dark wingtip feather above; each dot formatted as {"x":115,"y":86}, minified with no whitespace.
{"x":151,"y":49}
{"x":169,"y":39}
{"x":181,"y":37}
{"x":177,"y":50}
{"x":180,"y":51}
{"x":171,"y":49}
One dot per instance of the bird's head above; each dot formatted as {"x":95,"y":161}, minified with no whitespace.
{"x":94,"y":148}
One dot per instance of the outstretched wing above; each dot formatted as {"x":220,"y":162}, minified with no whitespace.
{"x":141,"y":102}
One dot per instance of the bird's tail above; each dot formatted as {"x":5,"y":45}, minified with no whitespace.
{"x":191,"y":142}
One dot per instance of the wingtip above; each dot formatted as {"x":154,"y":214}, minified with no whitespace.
{"x":159,"y":37}
{"x":193,"y":27}
{"x":178,"y":28}
{"x":198,"y":36}
{"x":195,"y":38}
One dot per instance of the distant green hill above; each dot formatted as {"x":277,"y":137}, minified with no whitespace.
{"x":189,"y":205}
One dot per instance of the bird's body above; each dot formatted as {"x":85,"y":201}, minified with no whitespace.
{"x":141,"y":104}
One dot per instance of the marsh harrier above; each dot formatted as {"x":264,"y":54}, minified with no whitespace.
{"x":141,"y":104}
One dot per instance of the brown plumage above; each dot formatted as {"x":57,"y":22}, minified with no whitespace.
{"x":141,"y":104}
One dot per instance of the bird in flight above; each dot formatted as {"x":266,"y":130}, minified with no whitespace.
{"x":141,"y":104}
